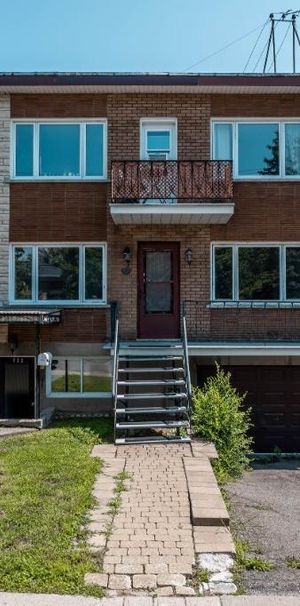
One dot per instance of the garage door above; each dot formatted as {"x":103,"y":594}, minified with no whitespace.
{"x":274,"y":395}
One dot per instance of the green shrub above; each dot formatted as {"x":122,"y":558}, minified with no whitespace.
{"x":219,"y":416}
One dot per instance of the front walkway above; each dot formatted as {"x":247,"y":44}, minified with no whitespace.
{"x":170,"y":520}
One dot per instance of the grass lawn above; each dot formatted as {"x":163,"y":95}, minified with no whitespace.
{"x":46,"y":480}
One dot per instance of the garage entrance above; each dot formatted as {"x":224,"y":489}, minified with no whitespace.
{"x":17,"y":387}
{"x":274,"y":395}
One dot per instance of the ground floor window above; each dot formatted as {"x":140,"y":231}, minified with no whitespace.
{"x":247,"y":272}
{"x":58,"y":273}
{"x":79,"y":377}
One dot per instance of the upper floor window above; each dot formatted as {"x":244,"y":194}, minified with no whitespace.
{"x":59,"y":150}
{"x":259,"y":149}
{"x":58,"y":273}
{"x":158,"y":139}
{"x":264,"y":272}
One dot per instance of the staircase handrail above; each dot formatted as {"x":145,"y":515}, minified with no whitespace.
{"x":186,"y":360}
{"x":115,"y":368}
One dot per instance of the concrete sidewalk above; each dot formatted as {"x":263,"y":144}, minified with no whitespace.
{"x":26,"y":599}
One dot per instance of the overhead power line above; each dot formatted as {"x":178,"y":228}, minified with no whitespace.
{"x":255,"y":45}
{"x":220,"y":50}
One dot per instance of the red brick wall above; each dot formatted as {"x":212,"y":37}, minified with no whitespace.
{"x":58,"y":212}
{"x":264,"y":211}
{"x":58,"y":106}
{"x":78,"y":325}
{"x":265,"y":106}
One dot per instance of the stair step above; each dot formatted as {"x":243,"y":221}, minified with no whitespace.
{"x":152,"y":396}
{"x":149,"y":358}
{"x":153,"y":410}
{"x":152,"y":439}
{"x":160,"y":382}
{"x":152,"y":424}
{"x":152,"y":370}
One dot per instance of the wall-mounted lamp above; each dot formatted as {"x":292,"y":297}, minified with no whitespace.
{"x":126,"y":255}
{"x":13,"y":344}
{"x":189,"y":256}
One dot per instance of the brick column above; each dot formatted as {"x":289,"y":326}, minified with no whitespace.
{"x":4,"y":202}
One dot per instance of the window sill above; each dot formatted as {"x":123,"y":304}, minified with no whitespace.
{"x":101,"y":394}
{"x":266,"y":179}
{"x":56,"y":180}
{"x":254,"y":305}
{"x":51,"y":304}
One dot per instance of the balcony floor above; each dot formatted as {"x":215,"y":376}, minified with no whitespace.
{"x":179,"y":214}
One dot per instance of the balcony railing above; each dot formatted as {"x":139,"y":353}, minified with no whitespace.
{"x":138,"y":181}
{"x":236,"y":321}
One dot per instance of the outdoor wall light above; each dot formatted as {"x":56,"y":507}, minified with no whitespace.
{"x":126,"y":254}
{"x":189,"y":256}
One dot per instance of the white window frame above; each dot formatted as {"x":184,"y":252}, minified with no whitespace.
{"x":82,"y":149}
{"x":158,"y":124}
{"x":235,"y":272}
{"x":75,"y":394}
{"x":235,"y":124}
{"x":67,"y":303}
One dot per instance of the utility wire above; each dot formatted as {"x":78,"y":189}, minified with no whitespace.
{"x":281,"y":45}
{"x":255,"y":45}
{"x":222,"y":49}
{"x":263,"y":50}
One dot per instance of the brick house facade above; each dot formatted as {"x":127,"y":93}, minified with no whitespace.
{"x":49,"y":212}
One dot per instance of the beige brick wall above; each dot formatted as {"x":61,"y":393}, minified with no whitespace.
{"x":4,"y":201}
{"x":193,"y":116}
{"x":194,"y":280}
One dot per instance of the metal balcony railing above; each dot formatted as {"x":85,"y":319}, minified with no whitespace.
{"x":237,"y":321}
{"x":137,"y":181}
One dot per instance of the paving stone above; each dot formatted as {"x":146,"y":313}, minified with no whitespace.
{"x":158,"y":568}
{"x":129,"y":569}
{"x":174,"y":580}
{"x":96,"y":578}
{"x":144,"y":581}
{"x":215,"y":562}
{"x":164,"y":591}
{"x":222,"y":588}
{"x":185,"y":591}
{"x":119,"y":581}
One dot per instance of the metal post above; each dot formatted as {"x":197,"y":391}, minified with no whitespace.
{"x":269,"y":43}
{"x":38,"y":373}
{"x":273,"y":44}
{"x":294,"y":42}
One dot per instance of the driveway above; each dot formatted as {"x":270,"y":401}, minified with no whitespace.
{"x":266,"y":514}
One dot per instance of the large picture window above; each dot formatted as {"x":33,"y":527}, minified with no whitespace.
{"x":59,"y":150}
{"x":59,"y":273}
{"x":244,"y":272}
{"x":258,"y":149}
{"x":79,"y":377}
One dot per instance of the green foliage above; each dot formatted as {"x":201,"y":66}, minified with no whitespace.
{"x":218,"y":416}
{"x":46,"y":492}
{"x":293,"y":563}
{"x":244,"y":561}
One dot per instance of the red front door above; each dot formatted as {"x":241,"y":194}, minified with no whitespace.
{"x":158,"y":290}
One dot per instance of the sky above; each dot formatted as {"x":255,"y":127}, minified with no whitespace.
{"x":138,"y":35}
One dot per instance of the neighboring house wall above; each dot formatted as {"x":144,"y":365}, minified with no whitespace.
{"x":4,"y":202}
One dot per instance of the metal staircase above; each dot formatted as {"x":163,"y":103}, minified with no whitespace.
{"x":151,"y":391}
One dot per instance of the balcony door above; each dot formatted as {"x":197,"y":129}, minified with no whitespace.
{"x":158,"y":290}
{"x":158,"y":146}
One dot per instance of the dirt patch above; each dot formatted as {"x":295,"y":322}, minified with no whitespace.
{"x":265,"y":513}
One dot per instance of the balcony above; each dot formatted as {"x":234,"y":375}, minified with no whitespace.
{"x":169,"y":191}
{"x":238,"y":322}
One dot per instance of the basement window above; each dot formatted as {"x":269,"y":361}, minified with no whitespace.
{"x":79,"y":377}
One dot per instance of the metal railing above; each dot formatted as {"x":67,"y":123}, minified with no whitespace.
{"x":239,"y":321}
{"x":186,"y":361}
{"x":115,"y":370}
{"x":136,"y":181}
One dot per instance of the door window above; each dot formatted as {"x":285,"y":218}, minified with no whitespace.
{"x":158,"y":282}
